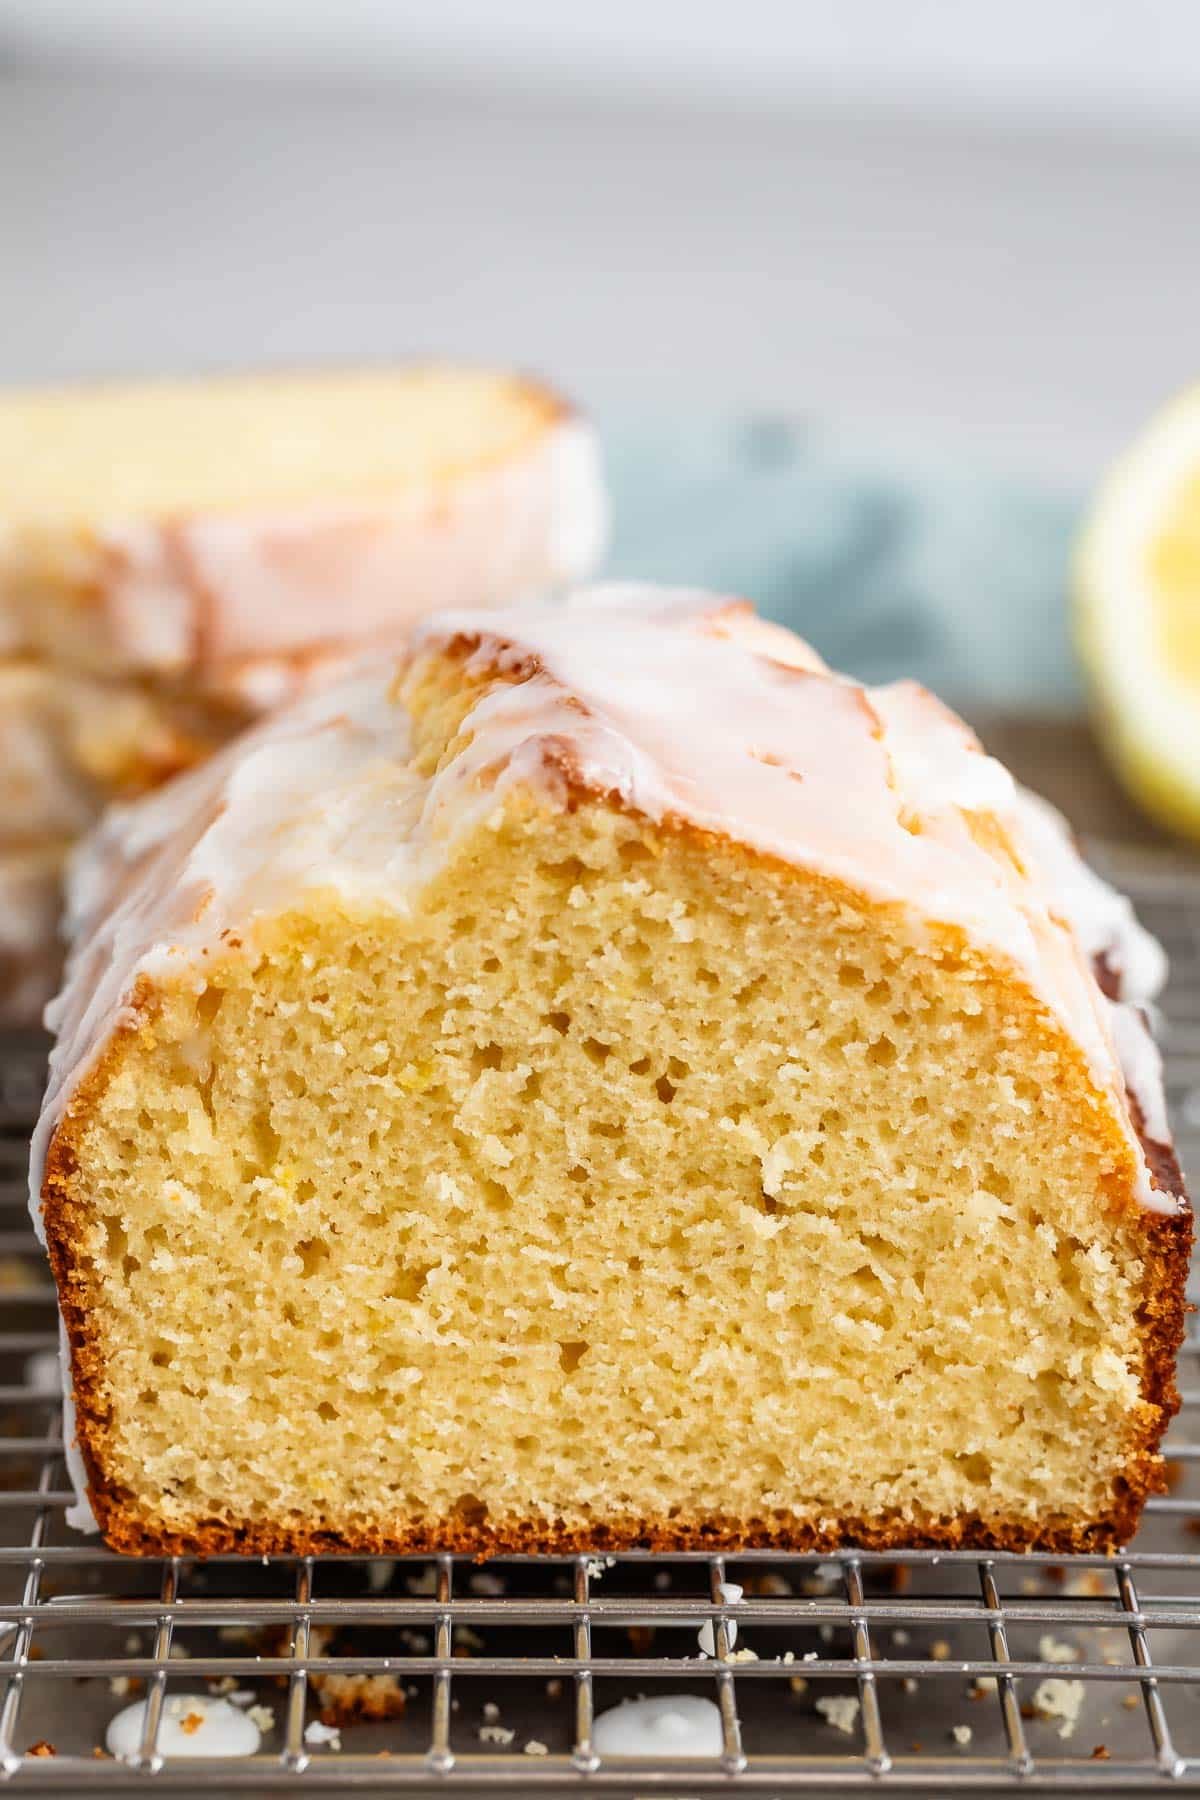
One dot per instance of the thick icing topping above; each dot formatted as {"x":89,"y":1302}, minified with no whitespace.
{"x":1103,"y":919}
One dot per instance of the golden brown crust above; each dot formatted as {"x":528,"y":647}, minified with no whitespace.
{"x":1162,"y":1317}
{"x":65,"y":1218}
{"x":126,"y":1532}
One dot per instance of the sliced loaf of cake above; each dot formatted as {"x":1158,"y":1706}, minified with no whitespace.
{"x":608,"y":1081}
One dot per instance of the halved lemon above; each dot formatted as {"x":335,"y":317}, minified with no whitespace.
{"x":1137,"y":615}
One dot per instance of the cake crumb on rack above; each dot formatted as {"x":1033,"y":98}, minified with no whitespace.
{"x":379,"y":1576}
{"x":840,"y":1710}
{"x":1060,"y":1701}
{"x":1088,"y":1584}
{"x":536,"y":1748}
{"x":345,"y":1698}
{"x":1052,"y":1649}
{"x":262,"y":1716}
{"x":821,"y":1580}
{"x":487,"y":1583}
{"x":317,"y":1734}
{"x":962,"y":1735}
{"x":496,"y":1734}
{"x":41,"y":1748}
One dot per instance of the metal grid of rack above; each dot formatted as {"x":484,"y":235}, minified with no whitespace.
{"x":953,"y":1671}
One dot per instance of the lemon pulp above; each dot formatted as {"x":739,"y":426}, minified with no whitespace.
{"x":1174,"y":571}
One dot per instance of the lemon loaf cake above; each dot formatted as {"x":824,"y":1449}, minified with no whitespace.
{"x":606,"y":1080}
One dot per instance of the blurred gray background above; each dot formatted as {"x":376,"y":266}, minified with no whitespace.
{"x":863,"y":296}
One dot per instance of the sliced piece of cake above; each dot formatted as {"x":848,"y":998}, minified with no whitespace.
{"x":608,"y":1082}
{"x":178,"y":527}
{"x":70,"y":742}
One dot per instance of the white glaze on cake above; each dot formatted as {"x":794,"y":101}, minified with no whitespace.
{"x":1108,"y":931}
{"x":205,"y":594}
{"x":679,"y":705}
{"x":1103,"y":920}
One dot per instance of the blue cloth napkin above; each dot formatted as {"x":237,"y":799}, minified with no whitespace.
{"x":890,"y":567}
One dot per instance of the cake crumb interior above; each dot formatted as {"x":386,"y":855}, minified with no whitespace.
{"x":626,"y":1180}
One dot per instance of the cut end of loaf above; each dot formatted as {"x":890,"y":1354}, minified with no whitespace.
{"x":628,"y":1188}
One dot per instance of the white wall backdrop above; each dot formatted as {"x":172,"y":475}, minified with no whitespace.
{"x":970,"y":224}
{"x":1125,"y":62}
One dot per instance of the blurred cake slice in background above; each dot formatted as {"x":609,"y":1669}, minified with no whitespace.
{"x":30,"y":958}
{"x":69,"y":741}
{"x":177,"y":557}
{"x":174,"y":527}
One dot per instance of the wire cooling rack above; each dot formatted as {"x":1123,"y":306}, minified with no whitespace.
{"x":920,"y":1671}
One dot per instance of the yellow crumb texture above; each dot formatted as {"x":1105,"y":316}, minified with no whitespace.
{"x":625,"y":1182}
